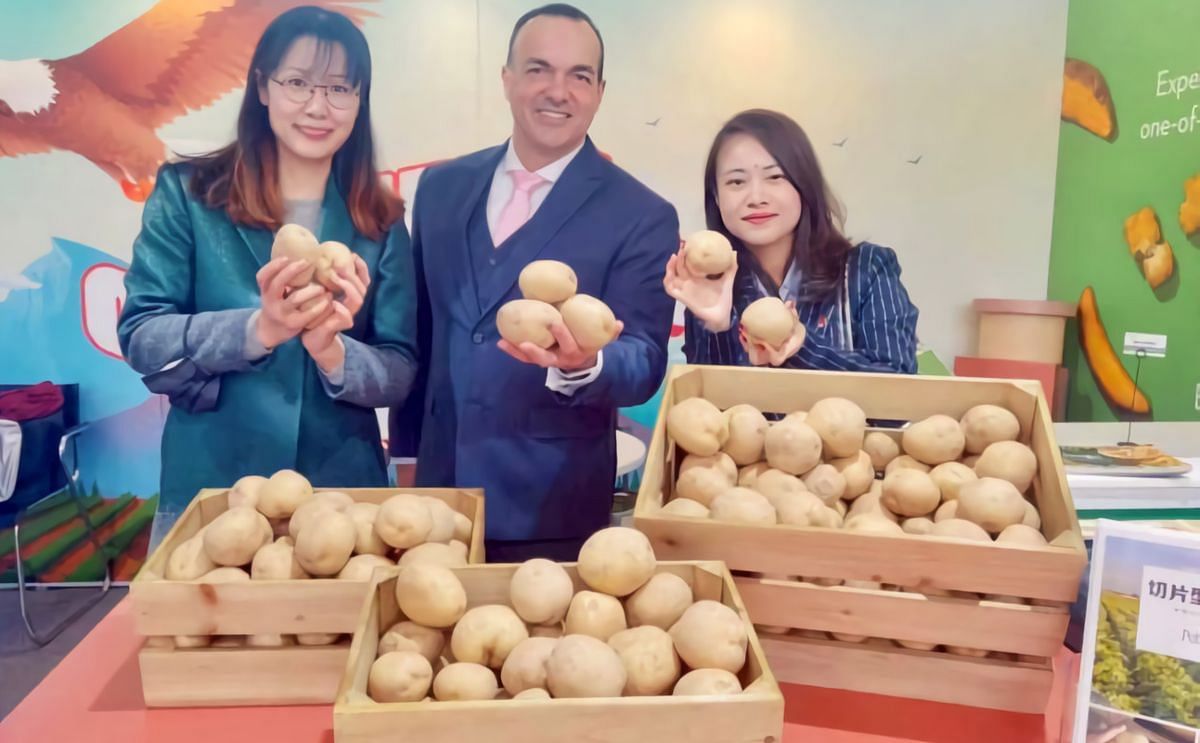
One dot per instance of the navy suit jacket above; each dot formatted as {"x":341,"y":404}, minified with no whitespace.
{"x":479,"y":418}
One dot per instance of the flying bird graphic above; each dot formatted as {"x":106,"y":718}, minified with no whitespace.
{"x":107,"y":102}
{"x":655,"y":122}
{"x":842,"y":143}
{"x":915,"y":162}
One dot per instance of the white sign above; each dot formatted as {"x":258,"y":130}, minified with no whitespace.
{"x":1169,"y":620}
{"x":1149,"y":344}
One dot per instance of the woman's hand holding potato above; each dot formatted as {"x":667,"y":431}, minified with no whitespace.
{"x":321,"y":339}
{"x":762,"y":354}
{"x":710,"y":300}
{"x":285,"y":313}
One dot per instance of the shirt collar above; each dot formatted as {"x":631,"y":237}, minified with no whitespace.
{"x":551,"y":172}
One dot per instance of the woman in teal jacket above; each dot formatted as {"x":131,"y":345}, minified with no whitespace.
{"x":262,"y":377}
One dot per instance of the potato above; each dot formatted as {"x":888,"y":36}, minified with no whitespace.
{"x":326,"y":543}
{"x":527,"y":321}
{"x":189,"y":560}
{"x":686,"y":507}
{"x":487,"y":634}
{"x":873,"y":524}
{"x":540,"y":591}
{"x":270,"y":641}
{"x":659,"y":603}
{"x":435,"y":553}
{"x":841,"y":424}
{"x":305,"y":512}
{"x":617,"y":561}
{"x":910,"y":493}
{"x":228,"y":641}
{"x":871,"y":503}
{"x":748,"y":475}
{"x":772,"y":483}
{"x":792,"y":447}
{"x":747,"y":434}
{"x":950,"y":476}
{"x":804,"y":509}
{"x":553,"y":631}
{"x":919,"y":526}
{"x":413,"y":637}
{"x":334,"y":259}
{"x":947,"y":510}
{"x":841,"y":508}
{"x":1008,"y":460}
{"x":881,"y":448}
{"x":710,"y":635}
{"x":934,"y":440}
{"x":548,"y":281}
{"x":826,"y":482}
{"x":769,"y":321}
{"x":596,"y":615}
{"x":959,"y":529}
{"x":442,"y":515}
{"x":188,"y":642}
{"x":1032,"y":517}
{"x":282,"y":494}
{"x":984,"y":425}
{"x":399,"y":677}
{"x":245,"y":491}
{"x":533,"y":694}
{"x":300,"y":244}
{"x":859,"y":474}
{"x":366,"y":540}
{"x":1022,"y":534}
{"x":703,"y":478}
{"x":743,"y":506}
{"x":581,"y":666}
{"x":362,"y":567}
{"x":707,"y":682}
{"x":277,"y":561}
{"x":235,"y":535}
{"x":697,"y":426}
{"x":465,"y":682}
{"x":708,"y":253}
{"x":313,"y":639}
{"x":225,"y":575}
{"x":431,"y":595}
{"x":404,"y":521}
{"x":991,"y":503}
{"x":590,"y":321}
{"x":525,"y":667}
{"x":463,"y":527}
{"x":971,"y":460}
{"x":966,"y":652}
{"x":905,"y":461}
{"x":651,"y":663}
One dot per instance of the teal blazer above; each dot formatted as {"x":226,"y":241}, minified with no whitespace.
{"x":191,"y":290}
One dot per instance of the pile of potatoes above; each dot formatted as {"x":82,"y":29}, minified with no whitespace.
{"x":956,"y":479}
{"x":279,"y":528}
{"x":632,"y":632}
{"x":549,"y":290}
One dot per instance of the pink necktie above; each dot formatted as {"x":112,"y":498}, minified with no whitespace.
{"x":516,"y":212}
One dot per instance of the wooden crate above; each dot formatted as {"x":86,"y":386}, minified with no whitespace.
{"x":256,"y":676}
{"x":755,"y":715}
{"x":767,"y":558}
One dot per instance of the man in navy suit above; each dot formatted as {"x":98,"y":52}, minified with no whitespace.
{"x":534,"y":428}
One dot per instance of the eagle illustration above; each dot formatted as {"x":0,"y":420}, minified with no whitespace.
{"x":107,"y":102}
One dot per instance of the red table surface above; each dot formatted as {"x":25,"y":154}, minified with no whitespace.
{"x":95,"y":695}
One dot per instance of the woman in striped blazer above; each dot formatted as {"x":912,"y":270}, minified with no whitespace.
{"x":763,"y":189}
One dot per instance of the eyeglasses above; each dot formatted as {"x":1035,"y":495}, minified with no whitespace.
{"x":299,"y":90}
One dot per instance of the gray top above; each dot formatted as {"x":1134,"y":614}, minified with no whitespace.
{"x":304,"y":212}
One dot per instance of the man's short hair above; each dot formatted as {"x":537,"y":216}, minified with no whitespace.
{"x":559,"y":10}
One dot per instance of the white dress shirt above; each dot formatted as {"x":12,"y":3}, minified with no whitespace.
{"x":498,"y":197}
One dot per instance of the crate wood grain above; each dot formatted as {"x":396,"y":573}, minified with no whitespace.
{"x":754,"y":716}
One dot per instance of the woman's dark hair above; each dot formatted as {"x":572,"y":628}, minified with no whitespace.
{"x":242,"y":178}
{"x":818,"y":247}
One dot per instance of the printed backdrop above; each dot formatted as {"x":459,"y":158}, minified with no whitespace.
{"x":936,"y":122}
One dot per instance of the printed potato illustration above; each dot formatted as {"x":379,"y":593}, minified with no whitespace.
{"x":1144,"y":237}
{"x":1189,"y":210}
{"x":1110,"y":374}
{"x":1086,"y":100}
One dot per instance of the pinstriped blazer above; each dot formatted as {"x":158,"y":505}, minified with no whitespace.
{"x":871,"y":310}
